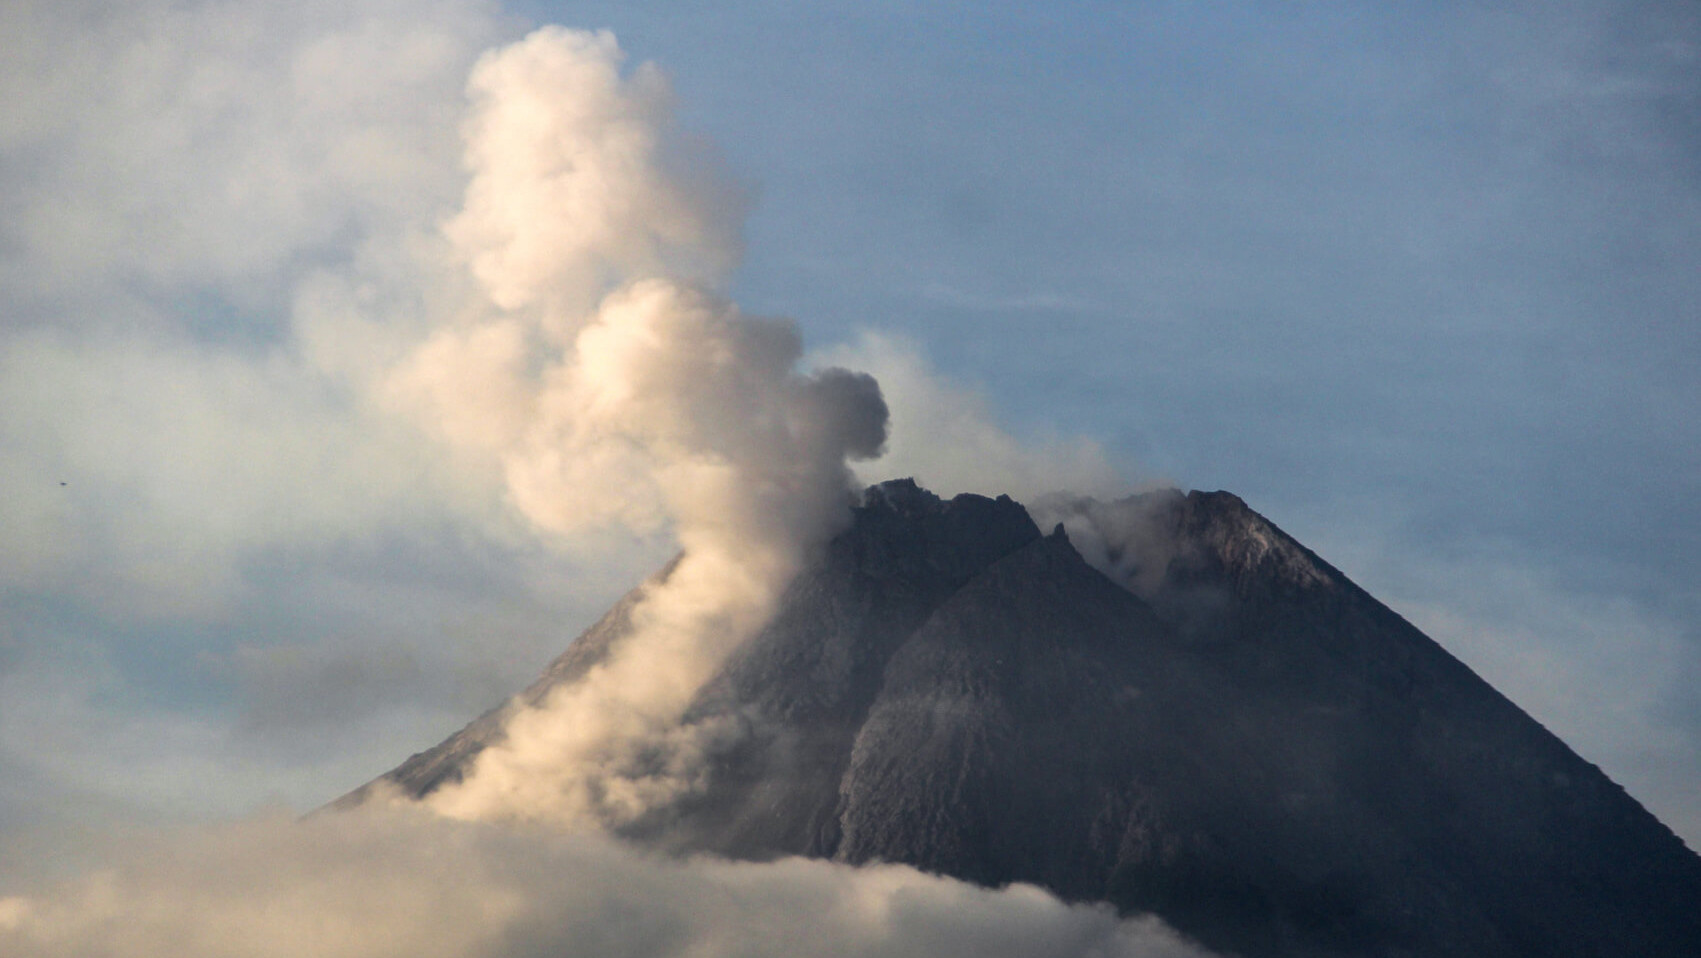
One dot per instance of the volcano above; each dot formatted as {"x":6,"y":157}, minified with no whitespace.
{"x":1207,"y":722}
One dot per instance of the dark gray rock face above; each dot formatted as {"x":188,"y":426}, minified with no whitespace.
{"x":1230,"y":735}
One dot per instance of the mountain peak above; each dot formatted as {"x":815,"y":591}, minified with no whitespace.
{"x":1168,"y":704}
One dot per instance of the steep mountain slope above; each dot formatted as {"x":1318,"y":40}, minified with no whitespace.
{"x":1224,"y":731}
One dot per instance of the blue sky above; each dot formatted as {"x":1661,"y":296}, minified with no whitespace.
{"x":1416,"y":281}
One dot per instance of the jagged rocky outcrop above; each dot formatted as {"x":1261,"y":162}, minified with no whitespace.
{"x":1222,"y":730}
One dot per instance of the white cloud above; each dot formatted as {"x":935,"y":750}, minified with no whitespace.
{"x":370,"y":884}
{"x":210,"y":143}
{"x":187,"y":185}
{"x":179,"y":461}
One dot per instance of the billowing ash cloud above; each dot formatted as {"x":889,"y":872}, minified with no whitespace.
{"x":616,"y":386}
{"x":578,"y":183}
{"x":377,"y":884}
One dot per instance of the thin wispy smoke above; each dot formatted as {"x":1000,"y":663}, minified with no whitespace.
{"x":616,"y":386}
{"x":1131,"y":540}
{"x":948,"y":438}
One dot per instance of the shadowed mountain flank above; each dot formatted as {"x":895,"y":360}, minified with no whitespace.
{"x":1219,"y":728}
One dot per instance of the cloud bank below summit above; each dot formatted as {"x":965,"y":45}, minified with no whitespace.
{"x":376,"y":884}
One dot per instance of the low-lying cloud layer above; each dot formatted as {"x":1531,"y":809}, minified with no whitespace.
{"x":375,"y":884}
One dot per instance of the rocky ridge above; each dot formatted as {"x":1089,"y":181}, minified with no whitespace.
{"x":1221,"y":729}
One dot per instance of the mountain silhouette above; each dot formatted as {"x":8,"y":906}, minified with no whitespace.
{"x":1222,"y":730}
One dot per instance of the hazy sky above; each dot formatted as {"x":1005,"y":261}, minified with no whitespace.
{"x":1417,"y":281}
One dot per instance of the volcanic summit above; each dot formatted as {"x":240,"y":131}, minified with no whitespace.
{"x":1207,"y":722}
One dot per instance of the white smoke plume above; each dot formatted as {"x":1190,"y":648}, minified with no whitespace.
{"x":1132,"y":540}
{"x":394,"y":883}
{"x":579,"y":182}
{"x":616,"y":386}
